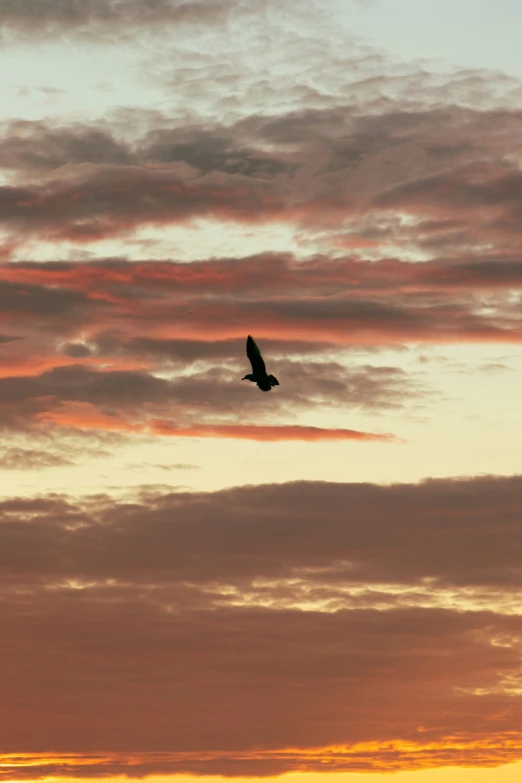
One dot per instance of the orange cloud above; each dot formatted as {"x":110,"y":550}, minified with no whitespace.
{"x":29,"y":365}
{"x":85,"y":416}
{"x":341,"y":301}
{"x":264,"y":433}
{"x":270,"y":273}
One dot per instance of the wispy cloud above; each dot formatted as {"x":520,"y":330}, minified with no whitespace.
{"x":30,"y":459}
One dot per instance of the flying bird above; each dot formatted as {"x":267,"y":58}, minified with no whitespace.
{"x":258,"y":374}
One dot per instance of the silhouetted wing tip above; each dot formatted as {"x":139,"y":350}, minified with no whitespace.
{"x":254,"y":355}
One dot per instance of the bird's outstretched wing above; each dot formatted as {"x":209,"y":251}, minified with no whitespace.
{"x":254,"y":355}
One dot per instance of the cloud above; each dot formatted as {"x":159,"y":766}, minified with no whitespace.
{"x":257,"y":630}
{"x":110,"y":345}
{"x":49,"y":303}
{"x":6,"y":338}
{"x":30,"y":459}
{"x":74,"y":369}
{"x":377,"y":543}
{"x":266,"y":433}
{"x":360,"y":757}
{"x":336,"y":175}
{"x":130,"y":402}
{"x":34,"y":145}
{"x":330,"y":300}
{"x":109,"y":201}
{"x":267,"y":274}
{"x":368,"y":187}
{"x":42,"y":18}
{"x":173,"y":610}
{"x":174,"y":466}
{"x":214,"y":663}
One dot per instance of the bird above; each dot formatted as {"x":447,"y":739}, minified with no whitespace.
{"x":258,"y":374}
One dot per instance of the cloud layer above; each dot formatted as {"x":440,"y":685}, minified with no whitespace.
{"x":353,"y":638}
{"x":337,"y":170}
{"x":408,"y":210}
{"x":304,"y":626}
{"x":158,"y":347}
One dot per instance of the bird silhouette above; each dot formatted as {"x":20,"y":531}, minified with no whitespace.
{"x":258,"y":374}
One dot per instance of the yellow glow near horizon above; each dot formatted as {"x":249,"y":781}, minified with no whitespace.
{"x":507,"y":773}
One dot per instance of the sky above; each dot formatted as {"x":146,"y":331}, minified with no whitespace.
{"x":199,"y":580}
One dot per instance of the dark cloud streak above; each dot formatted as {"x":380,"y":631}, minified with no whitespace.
{"x":45,"y":18}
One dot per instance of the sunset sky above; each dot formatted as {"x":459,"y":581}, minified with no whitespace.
{"x":323,"y":582}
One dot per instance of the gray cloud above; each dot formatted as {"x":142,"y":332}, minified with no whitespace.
{"x":44,"y":302}
{"x":173,"y":466}
{"x":209,"y":396}
{"x":30,"y":459}
{"x":46,"y":17}
{"x":333,"y":172}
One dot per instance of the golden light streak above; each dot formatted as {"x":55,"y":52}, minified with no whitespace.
{"x":384,"y":756}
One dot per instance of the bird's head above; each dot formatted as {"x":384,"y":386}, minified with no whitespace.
{"x":248,"y":378}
